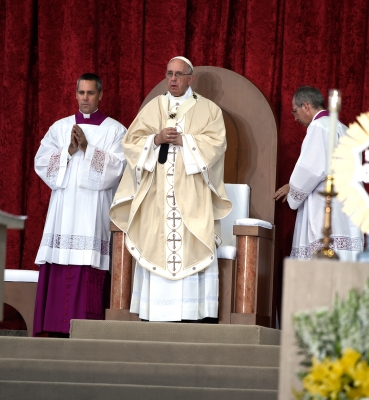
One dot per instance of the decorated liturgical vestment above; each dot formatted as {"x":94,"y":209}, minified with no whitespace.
{"x":169,"y":211}
{"x":307,"y":180}
{"x":77,"y":224}
{"x":74,"y":251}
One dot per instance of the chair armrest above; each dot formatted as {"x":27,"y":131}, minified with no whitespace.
{"x":241,"y":230}
{"x":227,"y":252}
{"x":253,"y":222}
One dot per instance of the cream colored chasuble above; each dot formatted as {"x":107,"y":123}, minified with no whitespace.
{"x":174,"y":224}
{"x":158,"y":299}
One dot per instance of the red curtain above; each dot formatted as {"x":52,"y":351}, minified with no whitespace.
{"x":278,"y":44}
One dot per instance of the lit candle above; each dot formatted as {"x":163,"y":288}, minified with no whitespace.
{"x":334,"y":104}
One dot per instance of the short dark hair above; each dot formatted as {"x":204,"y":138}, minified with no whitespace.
{"x":309,"y":94}
{"x":90,"y":77}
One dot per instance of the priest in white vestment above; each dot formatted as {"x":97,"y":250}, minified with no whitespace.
{"x":81,"y":159}
{"x":308,"y":179}
{"x":170,"y":201}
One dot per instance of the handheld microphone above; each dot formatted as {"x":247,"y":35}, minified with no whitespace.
{"x":163,"y":153}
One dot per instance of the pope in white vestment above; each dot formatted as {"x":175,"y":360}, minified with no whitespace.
{"x":308,"y":179}
{"x":169,"y":205}
{"x":83,"y":172}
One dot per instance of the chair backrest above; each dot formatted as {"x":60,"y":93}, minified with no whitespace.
{"x":239,"y":194}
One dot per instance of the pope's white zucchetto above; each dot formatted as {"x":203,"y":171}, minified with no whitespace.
{"x":186,"y":60}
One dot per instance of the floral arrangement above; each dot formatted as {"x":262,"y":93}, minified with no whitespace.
{"x":335,"y":348}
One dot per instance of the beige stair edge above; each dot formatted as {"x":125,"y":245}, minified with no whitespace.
{"x":151,"y":352}
{"x":215,"y":376}
{"x":174,"y":332}
{"x":60,"y":391}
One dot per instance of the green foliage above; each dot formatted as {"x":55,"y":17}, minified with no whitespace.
{"x":325,"y":332}
{"x":335,"y":348}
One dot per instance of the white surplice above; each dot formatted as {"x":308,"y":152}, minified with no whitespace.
{"x":156,"y":298}
{"x":77,"y":230}
{"x":307,"y":180}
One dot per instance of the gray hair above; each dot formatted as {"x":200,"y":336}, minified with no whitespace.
{"x":309,"y":94}
{"x":90,"y":77}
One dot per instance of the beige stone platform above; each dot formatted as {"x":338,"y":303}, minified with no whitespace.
{"x":143,"y":361}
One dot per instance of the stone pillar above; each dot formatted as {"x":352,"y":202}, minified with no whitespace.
{"x":246,"y":274}
{"x":121,"y":276}
{"x":254,"y":276}
{"x":121,"y":279}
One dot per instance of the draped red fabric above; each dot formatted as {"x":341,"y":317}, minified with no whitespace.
{"x":278,"y":44}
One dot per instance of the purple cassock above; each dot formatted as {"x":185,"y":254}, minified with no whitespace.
{"x":66,"y":292}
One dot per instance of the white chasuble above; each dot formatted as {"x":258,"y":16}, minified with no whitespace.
{"x":176,"y":274}
{"x":307,"y":180}
{"x":77,"y":230}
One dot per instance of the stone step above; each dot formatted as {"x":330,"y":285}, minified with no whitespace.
{"x":210,"y":376}
{"x":15,"y":390}
{"x":135,"y":351}
{"x":174,"y":332}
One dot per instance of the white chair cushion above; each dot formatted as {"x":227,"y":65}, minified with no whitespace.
{"x":20,"y":275}
{"x":253,"y":222}
{"x":227,"y":252}
{"x":239,"y":195}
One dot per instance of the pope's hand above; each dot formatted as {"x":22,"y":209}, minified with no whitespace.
{"x":168,"y":135}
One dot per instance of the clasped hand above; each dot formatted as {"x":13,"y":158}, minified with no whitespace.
{"x":77,"y":140}
{"x":168,"y":135}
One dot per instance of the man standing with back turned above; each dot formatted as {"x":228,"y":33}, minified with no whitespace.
{"x":171,"y":199}
{"x":307,"y":180}
{"x":81,"y":159}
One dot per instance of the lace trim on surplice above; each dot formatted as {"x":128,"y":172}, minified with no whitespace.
{"x":53,"y":168}
{"x":337,"y":243}
{"x":297,"y":195}
{"x":97,"y":169}
{"x":75,"y":242}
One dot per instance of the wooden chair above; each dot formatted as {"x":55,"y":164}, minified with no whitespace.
{"x":246,"y":292}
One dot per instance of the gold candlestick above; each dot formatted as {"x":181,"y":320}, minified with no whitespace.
{"x":334,"y":104}
{"x":326,"y":252}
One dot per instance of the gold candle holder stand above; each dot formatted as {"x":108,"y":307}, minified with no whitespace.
{"x":326,"y":252}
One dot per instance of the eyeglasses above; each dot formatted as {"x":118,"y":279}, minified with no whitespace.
{"x":178,"y":74}
{"x":294,"y":110}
